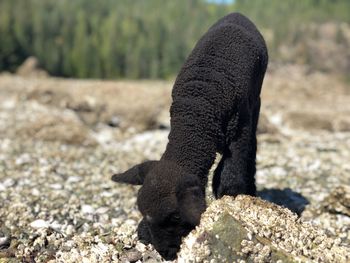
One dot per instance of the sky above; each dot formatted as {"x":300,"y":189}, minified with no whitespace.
{"x":221,"y":1}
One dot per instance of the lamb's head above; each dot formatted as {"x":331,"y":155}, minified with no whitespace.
{"x":170,"y":200}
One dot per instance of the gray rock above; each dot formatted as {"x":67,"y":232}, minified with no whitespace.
{"x":5,"y":238}
{"x":151,"y":257}
{"x":338,"y":201}
{"x":250,"y":229}
{"x":131,"y":255}
{"x":45,"y":128}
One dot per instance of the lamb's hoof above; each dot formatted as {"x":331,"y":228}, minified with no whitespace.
{"x":234,"y":191}
{"x":221,"y":191}
{"x":143,"y":232}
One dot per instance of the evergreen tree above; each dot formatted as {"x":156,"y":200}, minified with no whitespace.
{"x":139,"y":38}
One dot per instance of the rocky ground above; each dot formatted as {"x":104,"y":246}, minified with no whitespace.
{"x":61,"y":140}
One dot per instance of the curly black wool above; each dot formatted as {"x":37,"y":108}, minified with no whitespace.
{"x":215,"y":108}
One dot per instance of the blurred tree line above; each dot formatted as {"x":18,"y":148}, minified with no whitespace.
{"x":134,"y":39}
{"x":103,"y":39}
{"x":287,"y":19}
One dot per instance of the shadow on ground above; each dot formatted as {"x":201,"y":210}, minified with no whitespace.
{"x":285,"y":197}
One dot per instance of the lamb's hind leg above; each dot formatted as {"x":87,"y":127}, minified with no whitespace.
{"x":235,"y":173}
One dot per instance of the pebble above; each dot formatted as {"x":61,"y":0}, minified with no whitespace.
{"x":39,"y":223}
{"x":23,"y":159}
{"x":87,"y":209}
{"x":56,"y":186}
{"x":35,"y":192}
{"x":102,"y":210}
{"x":5,"y":242}
{"x":63,"y":182}
{"x":74,"y":179}
{"x":151,"y":257}
{"x":6,"y":184}
{"x":131,"y":255}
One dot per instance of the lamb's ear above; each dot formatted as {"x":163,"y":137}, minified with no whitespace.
{"x":191,"y":199}
{"x":135,"y":175}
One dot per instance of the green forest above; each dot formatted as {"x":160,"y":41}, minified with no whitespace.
{"x":135,"y":39}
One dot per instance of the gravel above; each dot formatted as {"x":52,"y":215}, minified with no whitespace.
{"x":58,"y":204}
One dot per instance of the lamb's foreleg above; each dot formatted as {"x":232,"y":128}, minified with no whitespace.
{"x":235,"y":173}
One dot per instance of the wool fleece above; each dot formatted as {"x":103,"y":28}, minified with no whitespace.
{"x":215,"y":108}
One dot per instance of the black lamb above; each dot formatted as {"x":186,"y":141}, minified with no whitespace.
{"x":215,"y":108}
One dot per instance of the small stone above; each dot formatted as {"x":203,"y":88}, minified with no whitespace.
{"x":35,"y":192}
{"x":39,"y":224}
{"x":69,"y":230}
{"x":102,"y":210}
{"x":23,"y":159}
{"x":150,"y":257}
{"x":74,"y":179}
{"x":114,"y":121}
{"x":56,"y":226}
{"x":5,"y":242}
{"x":141,"y":247}
{"x":9,"y":182}
{"x":87,"y":209}
{"x":132,"y":255}
{"x":56,"y":186}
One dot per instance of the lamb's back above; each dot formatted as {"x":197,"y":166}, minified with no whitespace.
{"x":224,"y":63}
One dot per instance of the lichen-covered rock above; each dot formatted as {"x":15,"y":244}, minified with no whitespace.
{"x":249,"y":229}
